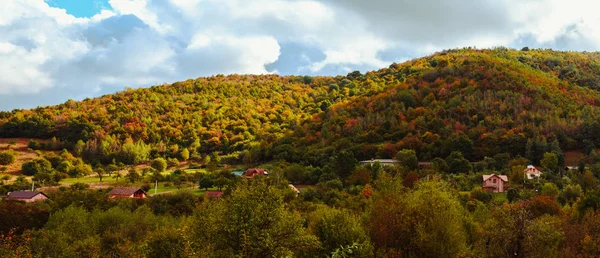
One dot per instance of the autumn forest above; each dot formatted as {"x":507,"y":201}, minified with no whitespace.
{"x":447,"y":120}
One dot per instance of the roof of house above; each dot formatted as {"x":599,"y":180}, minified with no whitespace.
{"x":214,"y":194}
{"x":294,"y":188}
{"x":252,"y":171}
{"x":380,"y":161}
{"x":23,"y":194}
{"x":237,"y":173}
{"x":125,"y":191}
{"x":502,"y":177}
{"x":532,"y":170}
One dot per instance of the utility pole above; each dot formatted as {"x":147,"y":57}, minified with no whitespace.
{"x":155,"y":186}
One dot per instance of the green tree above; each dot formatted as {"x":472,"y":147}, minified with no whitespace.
{"x":570,"y":194}
{"x":78,"y":148}
{"x":205,"y":182}
{"x":543,"y":237}
{"x":80,"y":169}
{"x":159,"y":164}
{"x":133,"y":175}
{"x":64,"y":166}
{"x":256,"y":216}
{"x":440,"y":165}
{"x":549,"y":189}
{"x":550,"y":162}
{"x":36,"y":166}
{"x":343,"y":163}
{"x":7,"y":157}
{"x":336,"y":228}
{"x":185,"y":154}
{"x":457,"y":163}
{"x":408,"y":159}
{"x":427,"y":222}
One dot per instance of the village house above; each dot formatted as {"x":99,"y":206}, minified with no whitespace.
{"x":531,"y":172}
{"x":26,"y":196}
{"x":494,"y":183}
{"x":252,"y":172}
{"x":383,"y":162}
{"x":127,"y":192}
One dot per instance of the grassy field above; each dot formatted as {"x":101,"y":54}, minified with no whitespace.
{"x":110,"y":181}
{"x":89,"y":180}
{"x":500,"y":196}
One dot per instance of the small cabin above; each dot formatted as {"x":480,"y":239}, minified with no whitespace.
{"x":252,"y":172}
{"x":494,"y":183}
{"x":127,"y":192}
{"x":26,"y":196}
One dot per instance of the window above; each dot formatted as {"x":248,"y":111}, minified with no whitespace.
{"x":494,"y":180}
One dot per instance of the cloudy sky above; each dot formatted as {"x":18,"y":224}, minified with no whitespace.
{"x":55,"y":50}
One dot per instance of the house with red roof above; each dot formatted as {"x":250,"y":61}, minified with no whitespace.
{"x":252,"y":172}
{"x":494,"y":183}
{"x":531,"y":172}
{"x":26,"y":196}
{"x":127,"y":192}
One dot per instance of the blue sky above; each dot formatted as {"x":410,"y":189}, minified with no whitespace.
{"x":80,"y":8}
{"x":55,"y":50}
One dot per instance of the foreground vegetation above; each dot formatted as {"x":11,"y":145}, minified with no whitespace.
{"x":390,"y":217}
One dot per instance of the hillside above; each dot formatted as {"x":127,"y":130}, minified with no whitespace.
{"x":481,"y":102}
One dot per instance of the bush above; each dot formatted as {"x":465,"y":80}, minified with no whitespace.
{"x":173,"y":162}
{"x":79,"y":186}
{"x":34,"y":145}
{"x":159,"y":164}
{"x":7,"y":157}
{"x":481,"y":195}
{"x":512,"y":195}
{"x":36,"y":166}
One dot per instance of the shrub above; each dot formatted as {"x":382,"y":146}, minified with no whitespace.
{"x":173,"y":162}
{"x":481,"y":195}
{"x":7,"y":157}
{"x":159,"y":164}
{"x":34,"y":145}
{"x":79,"y":186}
{"x":36,"y":166}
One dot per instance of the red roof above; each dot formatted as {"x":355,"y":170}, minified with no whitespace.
{"x":502,"y":177}
{"x":214,"y":194}
{"x":21,"y":195}
{"x":251,"y":172}
{"x":532,"y":170}
{"x":125,"y":191}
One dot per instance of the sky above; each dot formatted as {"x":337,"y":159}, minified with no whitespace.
{"x":55,"y":50}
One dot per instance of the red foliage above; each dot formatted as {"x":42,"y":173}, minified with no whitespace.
{"x":540,"y":205}
{"x":410,"y":179}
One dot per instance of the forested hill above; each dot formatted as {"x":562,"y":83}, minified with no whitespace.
{"x":481,"y":102}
